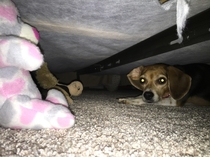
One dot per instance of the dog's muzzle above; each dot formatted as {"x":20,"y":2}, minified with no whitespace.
{"x":148,"y":96}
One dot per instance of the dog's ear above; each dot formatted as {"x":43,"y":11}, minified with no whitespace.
{"x":134,"y":77}
{"x":179,"y":82}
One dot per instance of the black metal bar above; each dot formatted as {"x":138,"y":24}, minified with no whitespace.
{"x":197,"y":30}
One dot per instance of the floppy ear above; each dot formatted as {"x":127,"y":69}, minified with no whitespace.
{"x":179,"y":82}
{"x":134,"y":77}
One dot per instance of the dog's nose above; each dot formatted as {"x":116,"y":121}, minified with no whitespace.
{"x":148,"y":95}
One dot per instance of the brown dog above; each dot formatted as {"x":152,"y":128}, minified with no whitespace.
{"x":171,"y":85}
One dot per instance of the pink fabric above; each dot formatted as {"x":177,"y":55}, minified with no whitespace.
{"x":1,"y":62}
{"x":3,"y":42}
{"x":16,"y":127}
{"x":28,"y":114}
{"x":17,"y":89}
{"x":25,"y":73}
{"x":36,"y":33}
{"x":65,"y":121}
{"x":12,"y":88}
{"x":33,"y":51}
{"x":40,"y":105}
{"x":56,"y":101}
{"x":53,"y":100}
{"x":8,"y":13}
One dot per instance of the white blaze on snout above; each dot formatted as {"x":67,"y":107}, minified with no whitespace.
{"x":155,"y":97}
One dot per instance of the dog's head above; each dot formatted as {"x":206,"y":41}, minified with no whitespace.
{"x":160,"y":81}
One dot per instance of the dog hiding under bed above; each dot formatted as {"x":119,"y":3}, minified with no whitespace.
{"x":170,"y":85}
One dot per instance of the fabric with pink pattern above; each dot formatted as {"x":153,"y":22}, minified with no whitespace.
{"x":21,"y":106}
{"x":8,"y":13}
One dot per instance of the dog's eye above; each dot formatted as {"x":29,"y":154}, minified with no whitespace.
{"x":161,"y":80}
{"x":142,"y":80}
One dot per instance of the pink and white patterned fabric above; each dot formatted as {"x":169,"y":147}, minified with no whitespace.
{"x":21,"y":106}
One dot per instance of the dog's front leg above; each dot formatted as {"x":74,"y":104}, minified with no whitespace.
{"x":167,"y":102}
{"x":132,"y":100}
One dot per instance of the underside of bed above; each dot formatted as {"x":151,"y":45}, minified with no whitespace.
{"x":114,"y":37}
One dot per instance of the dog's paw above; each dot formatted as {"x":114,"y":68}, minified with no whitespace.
{"x":133,"y":101}
{"x":123,"y":101}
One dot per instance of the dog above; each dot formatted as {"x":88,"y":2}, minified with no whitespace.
{"x":168,"y":85}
